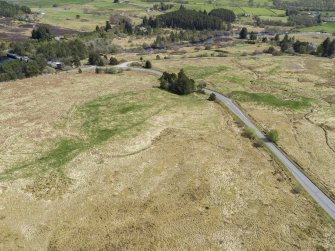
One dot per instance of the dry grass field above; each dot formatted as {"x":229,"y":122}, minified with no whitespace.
{"x":294,"y":94}
{"x":110,"y":162}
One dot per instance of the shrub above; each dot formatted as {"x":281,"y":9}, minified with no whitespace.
{"x":296,"y":190}
{"x":277,"y":53}
{"x":98,"y":70}
{"x":80,"y":70}
{"x":212,"y":97}
{"x":253,"y":36}
{"x":42,"y":32}
{"x":270,"y":50}
{"x":208,"y":47}
{"x":48,"y":70}
{"x":147,"y":64}
{"x":113,"y":61}
{"x":258,"y":143}
{"x":95,"y":59}
{"x":113,"y":70}
{"x":158,"y":57}
{"x":244,"y":33}
{"x":200,"y":87}
{"x":136,"y":64}
{"x":108,"y":70}
{"x":67,"y":68}
{"x":250,"y":133}
{"x":273,"y":135}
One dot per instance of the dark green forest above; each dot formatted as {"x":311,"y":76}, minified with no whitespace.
{"x":186,"y":19}
{"x":11,"y":10}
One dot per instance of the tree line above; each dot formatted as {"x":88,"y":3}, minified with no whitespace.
{"x":325,"y":49}
{"x":16,"y":69}
{"x":11,"y":10}
{"x":65,"y":50}
{"x":162,"y":6}
{"x":291,"y":45}
{"x":69,"y":52}
{"x":191,"y":36}
{"x":191,"y":19}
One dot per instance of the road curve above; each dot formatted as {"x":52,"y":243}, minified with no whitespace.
{"x":126,"y":66}
{"x":322,"y":199}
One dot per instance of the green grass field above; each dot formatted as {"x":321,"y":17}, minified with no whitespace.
{"x":326,"y":27}
{"x":47,"y":3}
{"x":95,"y":12}
{"x":271,"y":100}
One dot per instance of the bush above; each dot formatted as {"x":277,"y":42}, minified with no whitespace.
{"x":208,"y":47}
{"x":67,"y":68}
{"x":253,"y":36}
{"x":41,"y":33}
{"x":95,"y":59}
{"x":250,"y":133}
{"x":48,"y":70}
{"x":80,"y":70}
{"x":136,"y":64}
{"x":277,"y":53}
{"x":98,"y":70}
{"x":258,"y":143}
{"x":296,"y":190}
{"x":244,"y":33}
{"x":270,"y":50}
{"x":212,"y":97}
{"x":147,"y":64}
{"x":113,"y":70}
{"x":113,"y":61}
{"x":158,"y":57}
{"x":108,"y":70}
{"x":200,"y":87}
{"x":273,"y":135}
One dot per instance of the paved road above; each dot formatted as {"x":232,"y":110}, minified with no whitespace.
{"x":126,"y":66}
{"x":309,"y":186}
